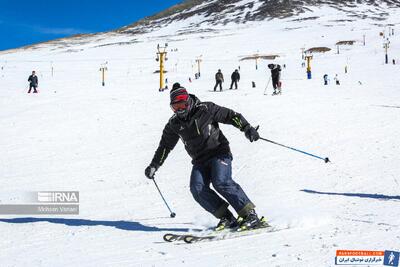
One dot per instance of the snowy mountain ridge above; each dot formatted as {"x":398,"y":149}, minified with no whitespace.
{"x":242,"y":11}
{"x":207,"y":16}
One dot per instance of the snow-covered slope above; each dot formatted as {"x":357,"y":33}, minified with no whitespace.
{"x":78,"y":135}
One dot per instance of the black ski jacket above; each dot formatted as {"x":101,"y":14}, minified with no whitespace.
{"x":219,"y":77}
{"x":33,"y":80}
{"x":276,"y":72}
{"x":235,"y":76}
{"x":200,"y":133}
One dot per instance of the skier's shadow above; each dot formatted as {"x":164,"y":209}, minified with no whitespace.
{"x":121,"y":225}
{"x":361,"y":195}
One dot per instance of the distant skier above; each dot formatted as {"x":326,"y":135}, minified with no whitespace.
{"x":326,"y":79}
{"x":276,"y":77}
{"x":337,"y":80}
{"x":235,"y":77}
{"x":33,"y":82}
{"x":219,"y":79}
{"x":196,"y":124}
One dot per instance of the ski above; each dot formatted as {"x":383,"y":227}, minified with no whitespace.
{"x":173,"y":237}
{"x":229,"y":235}
{"x":192,"y":239}
{"x":277,"y":92}
{"x":210,"y":235}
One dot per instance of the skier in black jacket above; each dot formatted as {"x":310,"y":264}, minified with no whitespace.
{"x":33,"y":82}
{"x":196,"y":123}
{"x":219,"y":79}
{"x":276,"y":77}
{"x":235,"y":77}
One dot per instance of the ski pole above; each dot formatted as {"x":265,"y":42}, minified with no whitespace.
{"x":173,"y":214}
{"x":267,"y":85}
{"x":298,"y":150}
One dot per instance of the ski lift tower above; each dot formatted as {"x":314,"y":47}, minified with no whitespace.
{"x":308,"y":58}
{"x":198,"y":61}
{"x":161,"y":56}
{"x":103,"y":70}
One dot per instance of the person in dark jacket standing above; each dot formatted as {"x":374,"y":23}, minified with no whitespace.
{"x":337,"y":80}
{"x":276,"y":77}
{"x":33,"y":82}
{"x":219,"y":79}
{"x":326,"y":79}
{"x":196,"y":123}
{"x":235,"y":77}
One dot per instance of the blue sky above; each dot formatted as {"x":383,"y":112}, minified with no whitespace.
{"x":25,"y":22}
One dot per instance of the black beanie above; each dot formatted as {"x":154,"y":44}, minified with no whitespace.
{"x":178,"y":93}
{"x":176,"y":86}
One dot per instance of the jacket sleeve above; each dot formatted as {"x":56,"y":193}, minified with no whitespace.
{"x":168,"y":141}
{"x":227,"y":116}
{"x":29,"y":79}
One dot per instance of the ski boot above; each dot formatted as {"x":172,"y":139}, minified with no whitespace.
{"x":227,"y":221}
{"x":251,"y":221}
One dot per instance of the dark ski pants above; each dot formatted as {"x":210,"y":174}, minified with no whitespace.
{"x":232,"y":83}
{"x":218,"y":172}
{"x":275,"y":83}
{"x":220,"y":85}
{"x":30,"y":88}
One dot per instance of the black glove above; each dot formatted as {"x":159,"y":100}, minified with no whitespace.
{"x":150,"y":171}
{"x":251,"y":133}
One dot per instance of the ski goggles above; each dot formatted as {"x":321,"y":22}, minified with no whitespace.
{"x":182,"y":105}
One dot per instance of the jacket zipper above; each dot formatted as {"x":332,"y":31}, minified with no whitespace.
{"x":197,"y":127}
